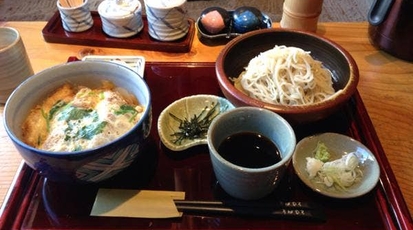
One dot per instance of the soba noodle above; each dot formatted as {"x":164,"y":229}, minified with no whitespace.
{"x":287,"y":76}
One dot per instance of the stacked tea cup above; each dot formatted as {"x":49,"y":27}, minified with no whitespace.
{"x":167,"y":19}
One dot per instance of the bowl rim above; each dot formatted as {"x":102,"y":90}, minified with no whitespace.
{"x":20,"y":142}
{"x":338,"y":98}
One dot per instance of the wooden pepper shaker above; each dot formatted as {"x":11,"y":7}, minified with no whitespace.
{"x":301,"y":14}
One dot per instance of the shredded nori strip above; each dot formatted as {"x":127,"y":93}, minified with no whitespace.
{"x":197,"y":126}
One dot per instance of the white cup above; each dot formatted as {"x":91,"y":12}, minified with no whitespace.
{"x":75,"y":18}
{"x":121,"y":18}
{"x":167,"y":19}
{"x":241,"y":181}
{"x":15,"y":65}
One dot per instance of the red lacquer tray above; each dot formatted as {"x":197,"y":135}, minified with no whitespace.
{"x":36,"y":203}
{"x":53,"y":32}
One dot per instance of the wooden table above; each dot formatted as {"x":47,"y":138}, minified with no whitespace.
{"x":386,"y":87}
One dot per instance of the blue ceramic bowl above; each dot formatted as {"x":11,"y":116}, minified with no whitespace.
{"x":87,"y":166}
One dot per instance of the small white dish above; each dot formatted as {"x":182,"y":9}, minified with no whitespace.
{"x":136,"y":63}
{"x":186,"y":108}
{"x":338,"y":145}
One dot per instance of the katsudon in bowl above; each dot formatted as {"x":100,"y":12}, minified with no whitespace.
{"x":82,"y":121}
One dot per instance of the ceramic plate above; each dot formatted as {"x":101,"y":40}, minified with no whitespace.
{"x":186,"y":108}
{"x":337,"y":145}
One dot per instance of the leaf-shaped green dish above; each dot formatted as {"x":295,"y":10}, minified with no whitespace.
{"x":187,"y":108}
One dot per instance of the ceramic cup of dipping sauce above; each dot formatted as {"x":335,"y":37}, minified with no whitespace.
{"x":15,"y":65}
{"x":121,"y":18}
{"x":167,"y":19}
{"x":250,"y":150}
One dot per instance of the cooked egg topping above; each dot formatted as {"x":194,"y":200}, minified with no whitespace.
{"x":87,"y":119}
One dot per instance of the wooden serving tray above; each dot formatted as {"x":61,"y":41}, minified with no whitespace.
{"x":36,"y":203}
{"x":53,"y":32}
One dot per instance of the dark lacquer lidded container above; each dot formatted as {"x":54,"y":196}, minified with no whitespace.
{"x":391,"y":27}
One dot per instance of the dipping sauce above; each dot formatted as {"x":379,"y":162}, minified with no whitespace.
{"x":250,"y":150}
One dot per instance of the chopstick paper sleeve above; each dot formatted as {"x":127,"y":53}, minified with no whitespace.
{"x":136,"y":203}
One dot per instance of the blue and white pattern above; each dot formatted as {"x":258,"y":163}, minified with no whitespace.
{"x":123,"y":27}
{"x":167,"y":24}
{"x":127,"y":24}
{"x":108,"y":166}
{"x":76,"y":19}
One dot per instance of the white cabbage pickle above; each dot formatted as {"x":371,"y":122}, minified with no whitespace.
{"x":313,"y":166}
{"x":340,"y":173}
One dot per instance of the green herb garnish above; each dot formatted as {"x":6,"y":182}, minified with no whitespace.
{"x":72,"y":115}
{"x":322,"y":153}
{"x":197,"y":126}
{"x":87,"y":132}
{"x":49,"y":116}
{"x":124,"y":109}
{"x":58,"y":105}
